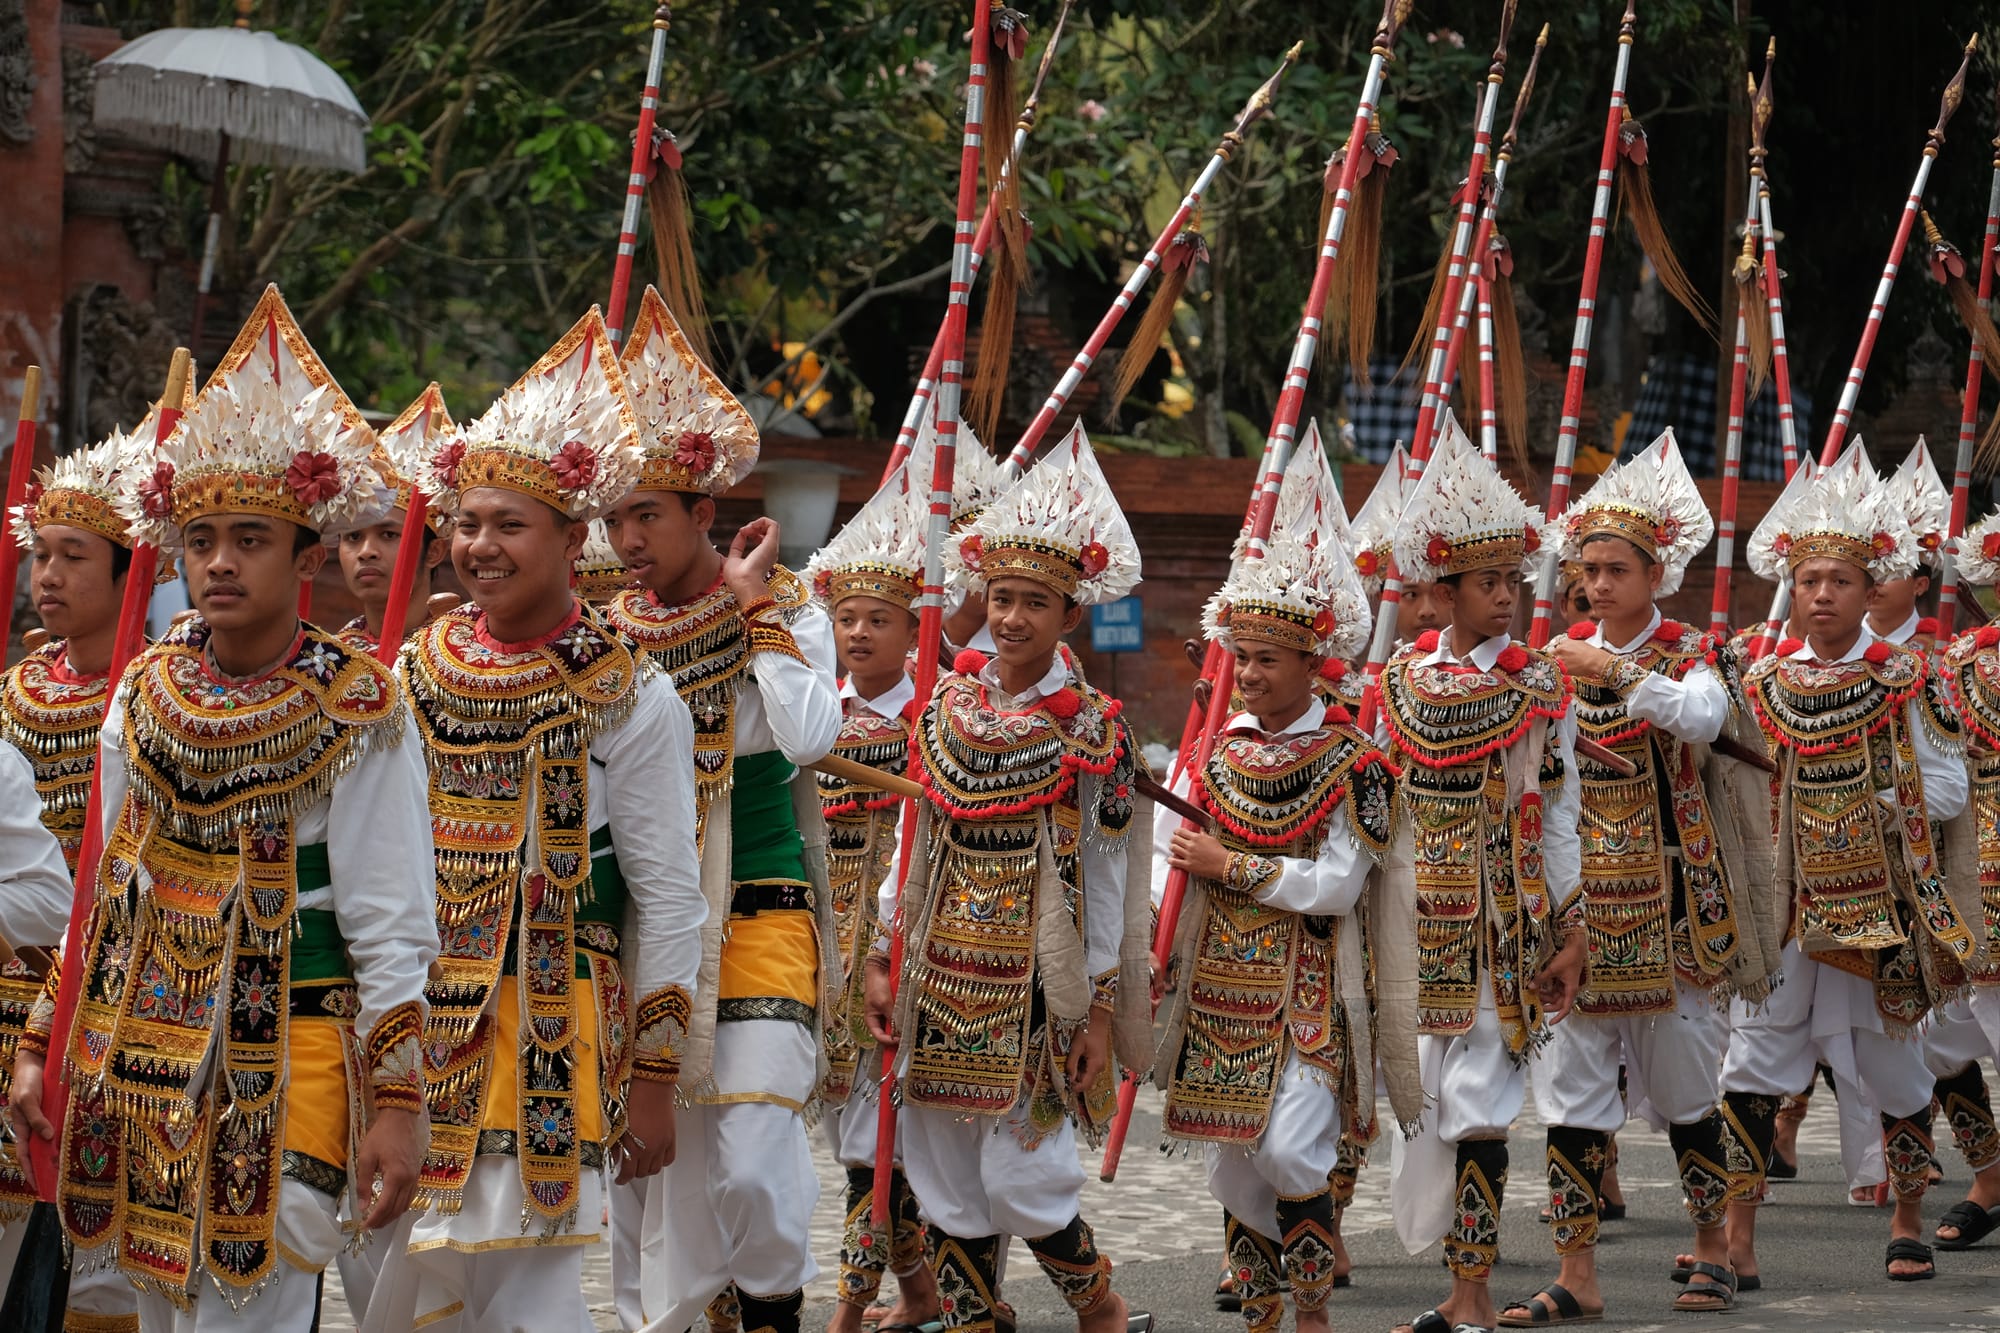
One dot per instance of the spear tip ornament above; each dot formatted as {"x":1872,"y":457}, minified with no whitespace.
{"x":1395,"y":13}
{"x":663,"y":17}
{"x":1954,"y":93}
{"x":1629,"y":23}
{"x":1507,"y":14}
{"x":1259,"y":105}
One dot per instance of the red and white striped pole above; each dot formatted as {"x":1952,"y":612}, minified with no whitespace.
{"x":1489,"y":415}
{"x":930,"y":615}
{"x":635,"y":181}
{"x":1586,"y":318}
{"x":1968,"y":419}
{"x":1263,"y":503}
{"x":1732,"y":450}
{"x":1850,"y":391}
{"x":1254,"y":110}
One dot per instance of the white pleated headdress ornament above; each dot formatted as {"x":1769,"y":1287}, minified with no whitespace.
{"x":1978,"y":557}
{"x":600,"y":571}
{"x":1058,"y":525}
{"x":1651,"y":501}
{"x":880,"y":552}
{"x":1372,"y":535}
{"x":1916,"y":486}
{"x":1462,"y":515}
{"x":697,"y":437}
{"x":1845,"y":512}
{"x":271,"y":434}
{"x":1305,"y":593}
{"x":977,"y":478}
{"x":81,"y":490}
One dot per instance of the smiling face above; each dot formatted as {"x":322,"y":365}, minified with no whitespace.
{"x":1829,"y":599}
{"x":514,"y":555}
{"x":244,"y":570}
{"x":873,"y":637}
{"x":1481,"y":603}
{"x":1274,"y":682}
{"x":70,"y":578}
{"x":659,"y":535}
{"x":1028,"y":621}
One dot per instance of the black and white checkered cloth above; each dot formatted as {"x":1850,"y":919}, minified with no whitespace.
{"x":1386,"y":413}
{"x":1680,"y":391}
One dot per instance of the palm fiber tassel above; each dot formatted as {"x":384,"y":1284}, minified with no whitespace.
{"x":1510,"y":368}
{"x":673,"y":244}
{"x":1007,"y":255}
{"x":1635,"y":190}
{"x":1350,"y":298}
{"x":1433,"y":304}
{"x":1176,"y":265}
{"x":1947,"y":267}
{"x":1751,"y":302}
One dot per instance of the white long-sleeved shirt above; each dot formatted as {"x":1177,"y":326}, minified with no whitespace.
{"x":1693,"y":708}
{"x":1562,"y":850}
{"x":1104,"y":861}
{"x":1946,"y":787}
{"x":1325,"y":885}
{"x":35,"y":888}
{"x":377,"y":830}
{"x":787,"y":705}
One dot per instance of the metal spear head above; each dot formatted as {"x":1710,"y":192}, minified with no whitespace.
{"x":1034,"y":98}
{"x":1526,"y":90}
{"x":1395,"y":13}
{"x":1507,"y":12}
{"x":1760,"y":100}
{"x":1259,"y":105}
{"x":1954,"y":93}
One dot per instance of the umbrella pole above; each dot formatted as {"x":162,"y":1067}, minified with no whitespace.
{"x":211,"y":246}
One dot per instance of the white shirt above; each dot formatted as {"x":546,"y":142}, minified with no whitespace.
{"x":1326,"y":885}
{"x":377,"y":830}
{"x":1946,"y":787}
{"x":888,"y":704}
{"x":35,"y":888}
{"x":1562,"y":850}
{"x":1903,"y":633}
{"x":1692,"y":708}
{"x":787,"y":705}
{"x":1103,"y":860}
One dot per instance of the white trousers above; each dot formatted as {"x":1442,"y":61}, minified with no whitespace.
{"x":1300,"y":1146}
{"x":849,"y":1130}
{"x":1954,"y":1039}
{"x":973,"y":1178}
{"x":1473,"y":1089}
{"x":1821,"y":1013}
{"x":307,"y":1227}
{"x":1673,"y":1065}
{"x":628,"y":1226}
{"x":735,"y":1206}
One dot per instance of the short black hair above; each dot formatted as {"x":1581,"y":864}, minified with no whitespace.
{"x":304,"y":539}
{"x":1449,"y":580}
{"x":121,"y":560}
{"x":688,"y":499}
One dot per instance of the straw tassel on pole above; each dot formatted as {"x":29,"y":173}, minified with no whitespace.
{"x":930,"y":619}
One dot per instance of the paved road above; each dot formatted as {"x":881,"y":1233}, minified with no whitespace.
{"x":1821,"y":1258}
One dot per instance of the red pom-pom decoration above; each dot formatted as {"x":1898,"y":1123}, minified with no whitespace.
{"x":1065,"y":703}
{"x":1987,"y":636}
{"x":1332,"y":668}
{"x":1512,"y":658}
{"x":1338,"y":715}
{"x":1427,"y":642}
{"x":1786,"y":647}
{"x":1670,"y":631}
{"x":1927,"y":625}
{"x":1878,"y":652}
{"x":1582,"y":629}
{"x":969,"y":662}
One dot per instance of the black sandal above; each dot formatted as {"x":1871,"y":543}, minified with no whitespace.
{"x":1911,"y":1251}
{"x":1430,"y":1321}
{"x":1541,"y":1314}
{"x":1974,"y":1224}
{"x":1745,"y":1284}
{"x":1721,"y":1286}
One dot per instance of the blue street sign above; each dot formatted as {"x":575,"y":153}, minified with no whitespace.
{"x":1115,"y":627}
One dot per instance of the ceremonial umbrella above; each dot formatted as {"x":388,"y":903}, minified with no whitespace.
{"x":203,"y":92}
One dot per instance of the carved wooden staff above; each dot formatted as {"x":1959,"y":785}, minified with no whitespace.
{"x":19,"y":469}
{"x":1850,"y":391}
{"x":1968,"y":418}
{"x":1462,"y":246}
{"x":920,"y":399}
{"x":930,"y":616}
{"x":1586,"y":318}
{"x":1258,"y":107}
{"x":1264,"y":501}
{"x":131,"y":637}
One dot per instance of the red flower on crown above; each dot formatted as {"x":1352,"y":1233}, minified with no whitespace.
{"x":313,"y":478}
{"x":823,"y":584}
{"x":972,"y":550}
{"x":156,"y":493}
{"x":1930,"y":541}
{"x":448,"y":460}
{"x":1438,"y":552}
{"x":1781,"y":545}
{"x":1989,"y":546}
{"x":1532,"y":536}
{"x":1323,"y":623}
{"x":1666,"y":531}
{"x":574,"y":465}
{"x":1512,"y":658}
{"x":1367,"y":563}
{"x":1882,"y":543}
{"x":1093,"y":559}
{"x":695,"y":451}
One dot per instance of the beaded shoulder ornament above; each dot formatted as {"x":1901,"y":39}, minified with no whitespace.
{"x":55,"y":718}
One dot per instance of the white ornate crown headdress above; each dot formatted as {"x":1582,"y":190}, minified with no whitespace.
{"x":1462,"y":515}
{"x":1651,"y":501}
{"x":1305,"y":593}
{"x":880,"y":551}
{"x":1059,"y":525}
{"x":1921,"y":493}
{"x":1372,"y":535}
{"x":1845,"y":512}
{"x":697,"y":437}
{"x":563,"y":434}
